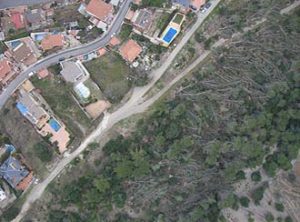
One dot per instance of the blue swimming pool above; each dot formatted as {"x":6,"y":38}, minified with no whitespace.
{"x":170,"y":35}
{"x":23,"y":109}
{"x":54,"y":125}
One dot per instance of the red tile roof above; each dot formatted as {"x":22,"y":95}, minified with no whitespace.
{"x":43,"y":73}
{"x":102,"y":51}
{"x":198,"y":3}
{"x":130,"y":50}
{"x":51,"y":41}
{"x":25,"y":182}
{"x":114,"y":41}
{"x":130,"y":14}
{"x":17,"y":19}
{"x":4,"y":68}
{"x":99,"y":9}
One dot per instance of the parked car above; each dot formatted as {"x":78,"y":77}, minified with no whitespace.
{"x":207,"y":5}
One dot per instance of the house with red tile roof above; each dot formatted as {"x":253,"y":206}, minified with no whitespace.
{"x":6,"y":72}
{"x":114,"y":41}
{"x":102,"y":51}
{"x":196,"y":4}
{"x":17,"y":19}
{"x":130,"y":50}
{"x":51,"y":41}
{"x":43,"y":73}
{"x":100,"y":10}
{"x":15,"y":173}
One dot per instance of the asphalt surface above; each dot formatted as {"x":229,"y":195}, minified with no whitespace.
{"x":72,"y":52}
{"x":13,"y":3}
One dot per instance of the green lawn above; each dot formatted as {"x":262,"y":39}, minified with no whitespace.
{"x":178,"y":19}
{"x":58,"y":95}
{"x":110,"y":72}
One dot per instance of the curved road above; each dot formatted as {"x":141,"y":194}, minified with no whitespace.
{"x":72,"y":52}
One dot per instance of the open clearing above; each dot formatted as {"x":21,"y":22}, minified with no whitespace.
{"x":110,"y":72}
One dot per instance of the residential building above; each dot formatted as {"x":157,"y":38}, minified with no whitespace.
{"x":6,"y":72}
{"x":17,"y":19}
{"x":43,"y":73}
{"x":188,"y":4}
{"x":2,"y":194}
{"x":102,"y":51}
{"x":114,"y":41}
{"x":130,"y":50}
{"x":73,"y":72}
{"x":130,"y":14}
{"x":142,"y":19}
{"x":115,"y":2}
{"x":29,"y":106}
{"x":35,"y":18}
{"x":100,"y":11}
{"x":23,"y":54}
{"x":15,"y":174}
{"x":51,"y":41}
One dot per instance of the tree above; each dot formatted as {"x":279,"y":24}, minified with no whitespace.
{"x":43,"y":152}
{"x":11,"y":213}
{"x":230,"y":201}
{"x":140,"y":164}
{"x":244,"y":201}
{"x":258,"y":194}
{"x":102,"y":184}
{"x":269,"y":217}
{"x":124,"y":169}
{"x":255,"y":176}
{"x":279,"y":207}
{"x":288,"y":219}
{"x":240,"y":175}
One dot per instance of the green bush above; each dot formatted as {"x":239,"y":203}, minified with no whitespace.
{"x":10,"y":214}
{"x":43,"y":152}
{"x":255,"y":176}
{"x":288,"y":219}
{"x":269,"y":217}
{"x":258,"y":194}
{"x":244,"y":201}
{"x":279,"y":207}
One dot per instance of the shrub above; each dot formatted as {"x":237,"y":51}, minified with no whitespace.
{"x":244,"y":201}
{"x":255,"y":176}
{"x":269,"y":217}
{"x":43,"y":152}
{"x":279,"y":207}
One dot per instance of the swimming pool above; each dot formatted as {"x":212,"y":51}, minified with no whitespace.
{"x":169,"y":36}
{"x":54,"y":125}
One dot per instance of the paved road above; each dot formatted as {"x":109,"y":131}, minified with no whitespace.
{"x":13,"y":3}
{"x":136,"y":104}
{"x":54,"y":58}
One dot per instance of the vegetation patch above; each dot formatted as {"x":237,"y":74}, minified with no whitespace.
{"x":111,"y":74}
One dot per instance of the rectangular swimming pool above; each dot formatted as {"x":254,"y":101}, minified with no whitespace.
{"x":170,"y":35}
{"x":54,"y":125}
